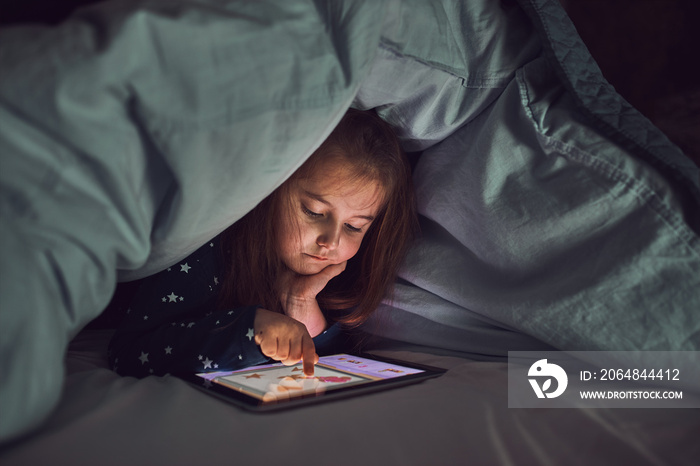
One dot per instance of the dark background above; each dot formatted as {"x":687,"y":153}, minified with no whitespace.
{"x":647,"y":49}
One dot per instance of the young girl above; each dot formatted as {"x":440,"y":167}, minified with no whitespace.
{"x":319,"y":253}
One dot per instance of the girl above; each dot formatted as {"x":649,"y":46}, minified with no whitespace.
{"x":319,"y":253}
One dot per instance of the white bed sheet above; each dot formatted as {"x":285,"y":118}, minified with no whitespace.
{"x":459,"y":418}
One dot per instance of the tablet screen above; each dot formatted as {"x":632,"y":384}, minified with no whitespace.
{"x":275,"y":383}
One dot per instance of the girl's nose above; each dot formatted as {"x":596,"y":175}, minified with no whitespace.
{"x":329,"y":237}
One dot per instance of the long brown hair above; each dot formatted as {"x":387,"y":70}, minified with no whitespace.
{"x":370,"y":144}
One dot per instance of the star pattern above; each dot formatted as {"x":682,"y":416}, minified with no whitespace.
{"x":174,"y":323}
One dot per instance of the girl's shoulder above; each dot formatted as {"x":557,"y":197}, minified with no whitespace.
{"x":206,"y":260}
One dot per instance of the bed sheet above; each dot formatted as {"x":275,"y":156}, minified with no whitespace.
{"x":459,"y":418}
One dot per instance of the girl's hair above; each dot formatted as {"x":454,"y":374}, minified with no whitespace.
{"x":372,"y":148}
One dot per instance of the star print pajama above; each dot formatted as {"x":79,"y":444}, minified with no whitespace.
{"x":172,"y":324}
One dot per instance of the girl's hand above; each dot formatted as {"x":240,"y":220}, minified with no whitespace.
{"x":284,"y":339}
{"x":298,"y":296}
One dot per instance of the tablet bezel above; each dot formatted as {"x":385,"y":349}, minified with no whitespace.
{"x":251,"y":403}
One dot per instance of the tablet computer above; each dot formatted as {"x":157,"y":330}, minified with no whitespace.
{"x":276,"y":386}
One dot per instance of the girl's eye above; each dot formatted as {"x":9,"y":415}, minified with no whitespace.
{"x":310,"y":213}
{"x":313,"y":214}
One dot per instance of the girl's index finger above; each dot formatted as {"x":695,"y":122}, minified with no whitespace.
{"x":308,"y":356}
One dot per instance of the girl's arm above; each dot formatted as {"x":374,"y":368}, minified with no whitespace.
{"x":171,"y":325}
{"x":215,"y":342}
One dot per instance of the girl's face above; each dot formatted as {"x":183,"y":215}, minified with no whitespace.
{"x":326,"y":216}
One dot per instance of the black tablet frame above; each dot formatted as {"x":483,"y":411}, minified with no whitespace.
{"x":251,"y":403}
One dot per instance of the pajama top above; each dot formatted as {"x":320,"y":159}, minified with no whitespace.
{"x":172,"y":324}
